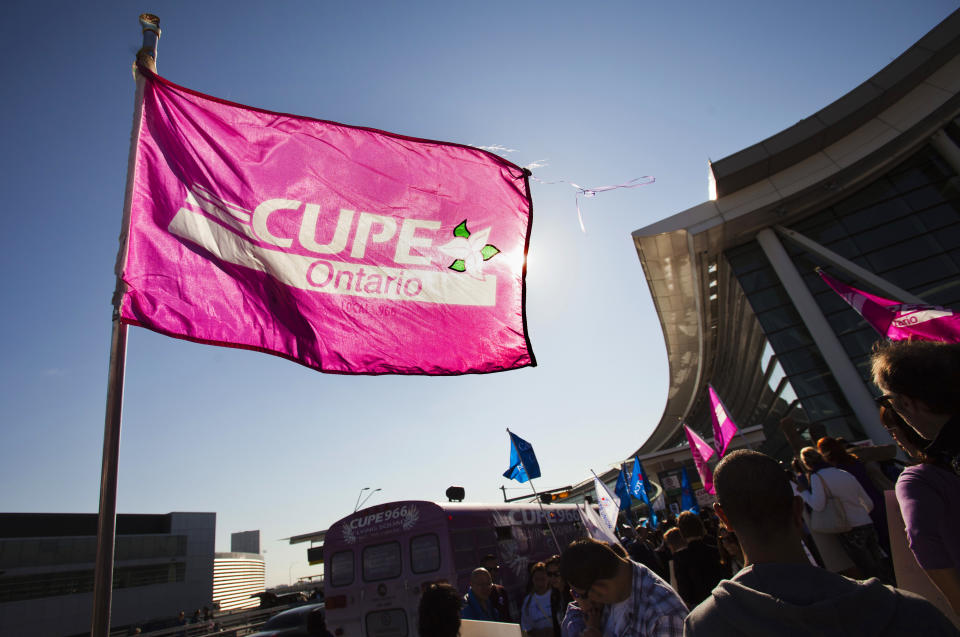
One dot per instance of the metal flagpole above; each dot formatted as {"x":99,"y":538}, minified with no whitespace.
{"x":745,"y":441}
{"x":629,"y":514}
{"x":107,"y":518}
{"x":536,"y":495}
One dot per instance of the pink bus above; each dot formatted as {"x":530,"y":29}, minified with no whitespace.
{"x":377,"y":561}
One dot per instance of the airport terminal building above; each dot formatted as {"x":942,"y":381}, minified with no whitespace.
{"x":868,"y":188}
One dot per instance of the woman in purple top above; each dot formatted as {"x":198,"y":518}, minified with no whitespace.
{"x":929,"y":497}
{"x":920,"y":406}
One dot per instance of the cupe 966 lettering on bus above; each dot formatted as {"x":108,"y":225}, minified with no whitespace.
{"x":378,"y":560}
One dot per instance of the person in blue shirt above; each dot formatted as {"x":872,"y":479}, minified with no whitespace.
{"x":477,"y":603}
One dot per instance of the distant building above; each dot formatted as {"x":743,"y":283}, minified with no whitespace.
{"x":245,"y":542}
{"x":240,"y":574}
{"x":237,"y":576}
{"x":163,"y":564}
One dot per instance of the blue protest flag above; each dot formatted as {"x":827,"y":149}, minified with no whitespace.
{"x":638,"y":488}
{"x":688,"y":502}
{"x":523,"y":462}
{"x":623,"y":492}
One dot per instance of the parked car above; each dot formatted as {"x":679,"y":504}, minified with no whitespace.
{"x":303,"y":621}
{"x":269,"y":599}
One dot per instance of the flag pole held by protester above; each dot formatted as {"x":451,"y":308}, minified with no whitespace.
{"x":524,"y":468}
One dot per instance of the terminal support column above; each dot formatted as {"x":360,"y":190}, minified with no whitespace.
{"x":844,"y":372}
{"x":830,"y":257}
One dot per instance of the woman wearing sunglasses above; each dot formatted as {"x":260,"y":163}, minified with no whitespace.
{"x":920,"y":407}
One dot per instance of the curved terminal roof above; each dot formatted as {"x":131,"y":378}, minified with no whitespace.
{"x":710,"y":331}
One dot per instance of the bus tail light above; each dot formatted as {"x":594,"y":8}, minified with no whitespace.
{"x":336,"y":601}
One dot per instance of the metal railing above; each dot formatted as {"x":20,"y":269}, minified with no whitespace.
{"x":230,"y":624}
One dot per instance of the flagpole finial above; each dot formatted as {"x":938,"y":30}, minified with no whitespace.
{"x":150,"y":22}
{"x":150,"y":27}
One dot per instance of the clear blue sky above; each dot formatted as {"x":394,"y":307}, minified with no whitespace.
{"x":603,"y":93}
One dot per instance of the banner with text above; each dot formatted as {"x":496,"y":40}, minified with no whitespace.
{"x":346,"y":249}
{"x":899,"y":321}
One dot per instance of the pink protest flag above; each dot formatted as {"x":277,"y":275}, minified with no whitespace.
{"x":701,"y":451}
{"x":346,"y":249}
{"x":724,"y":429}
{"x":899,"y":321}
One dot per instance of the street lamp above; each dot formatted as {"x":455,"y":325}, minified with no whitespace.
{"x":357,"y":505}
{"x":366,"y":498}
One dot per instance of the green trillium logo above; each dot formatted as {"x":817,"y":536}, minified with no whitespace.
{"x":469,"y":250}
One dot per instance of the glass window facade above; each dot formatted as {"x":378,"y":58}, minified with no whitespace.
{"x":904,"y":227}
{"x":23,"y":587}
{"x":32,"y":553}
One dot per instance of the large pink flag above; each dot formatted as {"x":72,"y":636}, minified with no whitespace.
{"x":346,"y":249}
{"x":899,"y":321}
{"x":724,"y":429}
{"x":701,"y":451}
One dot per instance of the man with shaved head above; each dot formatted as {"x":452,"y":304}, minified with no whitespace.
{"x":477,"y":603}
{"x":779,"y":592}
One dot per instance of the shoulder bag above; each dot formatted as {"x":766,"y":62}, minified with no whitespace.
{"x":833,"y":518}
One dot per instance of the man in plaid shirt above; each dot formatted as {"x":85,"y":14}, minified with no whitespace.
{"x":639,"y":603}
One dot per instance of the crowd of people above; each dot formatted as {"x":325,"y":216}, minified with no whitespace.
{"x":799,"y":550}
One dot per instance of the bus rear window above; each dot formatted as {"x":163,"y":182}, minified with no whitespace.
{"x":341,"y":568}
{"x":381,"y":561}
{"x":424,"y":553}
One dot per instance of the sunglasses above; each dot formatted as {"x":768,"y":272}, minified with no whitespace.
{"x":884,"y":401}
{"x":553,"y":573}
